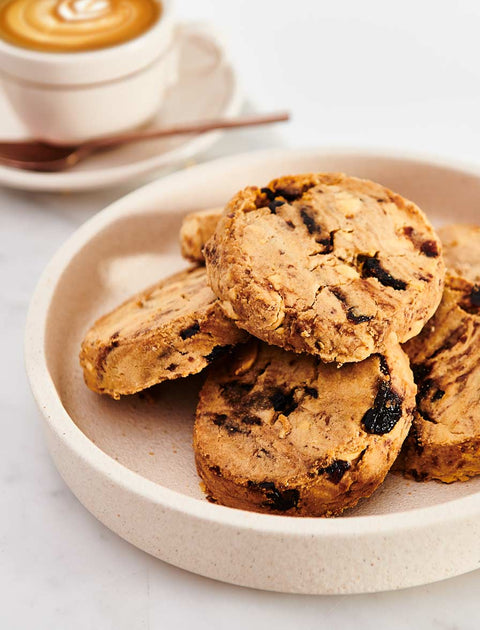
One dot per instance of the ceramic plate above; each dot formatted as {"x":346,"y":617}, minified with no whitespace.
{"x":130,"y":462}
{"x":207,"y":88}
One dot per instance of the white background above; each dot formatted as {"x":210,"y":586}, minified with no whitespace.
{"x":403,"y":75}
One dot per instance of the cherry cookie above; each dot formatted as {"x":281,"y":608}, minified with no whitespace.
{"x":283,"y":433}
{"x":326,"y":264}
{"x":444,"y":443}
{"x":173,"y":329}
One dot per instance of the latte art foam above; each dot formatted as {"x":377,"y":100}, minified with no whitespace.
{"x":82,"y":10}
{"x":75,"y":25}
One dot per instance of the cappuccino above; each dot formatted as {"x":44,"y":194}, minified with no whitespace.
{"x":75,"y":25}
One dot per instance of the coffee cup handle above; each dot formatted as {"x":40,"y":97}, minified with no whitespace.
{"x":207,"y":39}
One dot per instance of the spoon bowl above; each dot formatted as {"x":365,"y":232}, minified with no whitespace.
{"x":39,"y":156}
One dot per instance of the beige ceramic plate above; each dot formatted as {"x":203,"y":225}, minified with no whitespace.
{"x":207,"y":88}
{"x":131,"y":462}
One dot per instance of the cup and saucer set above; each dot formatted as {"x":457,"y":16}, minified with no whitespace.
{"x":172,"y":73}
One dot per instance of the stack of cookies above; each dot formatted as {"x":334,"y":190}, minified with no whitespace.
{"x":300,"y":298}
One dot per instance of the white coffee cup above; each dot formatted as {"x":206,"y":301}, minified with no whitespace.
{"x":71,"y":97}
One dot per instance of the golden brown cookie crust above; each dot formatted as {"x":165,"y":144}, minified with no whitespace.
{"x":282,"y":433}
{"x":172,"y":329}
{"x":461,"y":244}
{"x":444,"y":443}
{"x":326,"y":264}
{"x":196,"y":229}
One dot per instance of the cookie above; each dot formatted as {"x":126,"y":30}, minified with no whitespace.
{"x":326,"y":264}
{"x":173,"y":329}
{"x":462,"y":250}
{"x":444,"y":443}
{"x":283,"y":433}
{"x":196,"y":229}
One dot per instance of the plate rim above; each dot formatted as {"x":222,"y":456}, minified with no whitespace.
{"x":67,"y":431}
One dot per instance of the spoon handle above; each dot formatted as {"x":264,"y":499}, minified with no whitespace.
{"x":196,"y":127}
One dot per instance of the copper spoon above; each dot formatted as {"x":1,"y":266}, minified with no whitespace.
{"x":33,"y":155}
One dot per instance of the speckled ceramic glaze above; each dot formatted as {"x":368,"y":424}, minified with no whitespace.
{"x":130,"y":462}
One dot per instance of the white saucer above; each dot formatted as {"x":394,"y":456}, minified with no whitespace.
{"x":207,"y":88}
{"x":130,"y":462}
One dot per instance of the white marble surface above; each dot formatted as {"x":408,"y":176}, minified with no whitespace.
{"x":403,"y":75}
